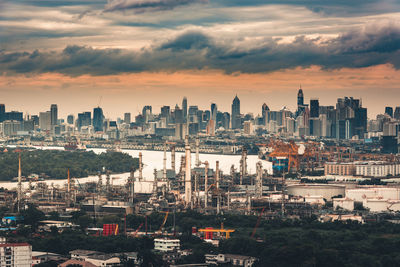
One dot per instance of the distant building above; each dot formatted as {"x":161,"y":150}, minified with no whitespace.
{"x":235,"y":114}
{"x":127,"y":118}
{"x":184,"y":109}
{"x":98,"y":119}
{"x":70,"y":119}
{"x":314,"y":108}
{"x":54,"y":114}
{"x":2,"y":112}
{"x":45,"y":121}
{"x":389,"y":111}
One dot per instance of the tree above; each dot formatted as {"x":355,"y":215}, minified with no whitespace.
{"x":32,"y":216}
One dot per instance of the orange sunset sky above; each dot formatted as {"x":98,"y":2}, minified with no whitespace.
{"x":124,"y":54}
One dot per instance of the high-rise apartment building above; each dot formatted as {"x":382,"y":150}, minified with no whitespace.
{"x":15,"y":255}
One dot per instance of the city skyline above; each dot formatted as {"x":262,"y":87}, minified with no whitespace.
{"x":291,"y":105}
{"x":72,"y":52}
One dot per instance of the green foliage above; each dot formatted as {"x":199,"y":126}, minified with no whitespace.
{"x":55,"y":163}
{"x":32,"y":216}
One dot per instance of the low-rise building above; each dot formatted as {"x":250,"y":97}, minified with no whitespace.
{"x":230,"y":259}
{"x":166,"y":245}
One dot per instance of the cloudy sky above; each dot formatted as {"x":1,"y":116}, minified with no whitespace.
{"x":123,"y":54}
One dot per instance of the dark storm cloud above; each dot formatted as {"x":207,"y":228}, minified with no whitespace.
{"x":196,"y":50}
{"x":140,"y":6}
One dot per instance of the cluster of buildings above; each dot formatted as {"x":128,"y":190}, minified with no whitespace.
{"x":346,"y":120}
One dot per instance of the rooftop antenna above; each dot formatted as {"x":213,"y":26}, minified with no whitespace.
{"x":100,"y":98}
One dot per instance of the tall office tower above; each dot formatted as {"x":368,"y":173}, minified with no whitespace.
{"x":54,"y":114}
{"x":14,"y":116}
{"x":214,"y":110}
{"x":2,"y":112}
{"x":235,"y":117}
{"x":184,"y":109}
{"x":178,"y":115}
{"x":70,"y":119}
{"x":45,"y":121}
{"x":84,"y":119}
{"x":396,"y":114}
{"x":146,"y":112}
{"x":300,"y":98}
{"x":192,"y":114}
{"x":389,"y":111}
{"x":264,"y":112}
{"x":166,"y":113}
{"x":98,"y":119}
{"x":351,"y":118}
{"x":127,"y":118}
{"x":226,"y":120}
{"x":314,"y":108}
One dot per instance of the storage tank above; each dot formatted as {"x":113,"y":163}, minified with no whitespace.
{"x":327,"y":191}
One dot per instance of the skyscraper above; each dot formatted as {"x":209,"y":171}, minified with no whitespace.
{"x":264,"y":111}
{"x":2,"y":112}
{"x":389,"y":111}
{"x":214,"y":110}
{"x":54,"y":114}
{"x":314,"y":108}
{"x":166,"y":113}
{"x":300,"y":98}
{"x":70,"y":119}
{"x":396,"y":114}
{"x":98,"y":119}
{"x":127,"y":118}
{"x":184,"y":108}
{"x":235,"y":117}
{"x":45,"y":121}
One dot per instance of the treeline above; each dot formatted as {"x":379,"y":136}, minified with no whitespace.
{"x":280,"y":242}
{"x":54,"y":163}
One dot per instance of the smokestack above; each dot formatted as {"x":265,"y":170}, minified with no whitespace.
{"x":243,"y":165}
{"x":69,"y":183}
{"x":173,"y":158}
{"x":258,"y":187}
{"x":140,"y":166}
{"x":217,"y":174}
{"x":206,"y":185}
{"x":197,"y":152}
{"x":155,"y":184}
{"x":165,"y":163}
{"x":19,"y":182}
{"x":131,"y":184}
{"x":188,"y":176}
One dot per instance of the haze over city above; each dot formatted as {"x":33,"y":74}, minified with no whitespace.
{"x":135,"y":53}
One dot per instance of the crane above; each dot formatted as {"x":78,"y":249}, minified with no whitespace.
{"x":257,"y":223}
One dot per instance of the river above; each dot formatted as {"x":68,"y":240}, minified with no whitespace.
{"x":154,"y":160}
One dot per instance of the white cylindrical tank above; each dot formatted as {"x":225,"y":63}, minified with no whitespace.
{"x":327,"y":191}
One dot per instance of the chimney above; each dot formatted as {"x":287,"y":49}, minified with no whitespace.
{"x":188,"y":176}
